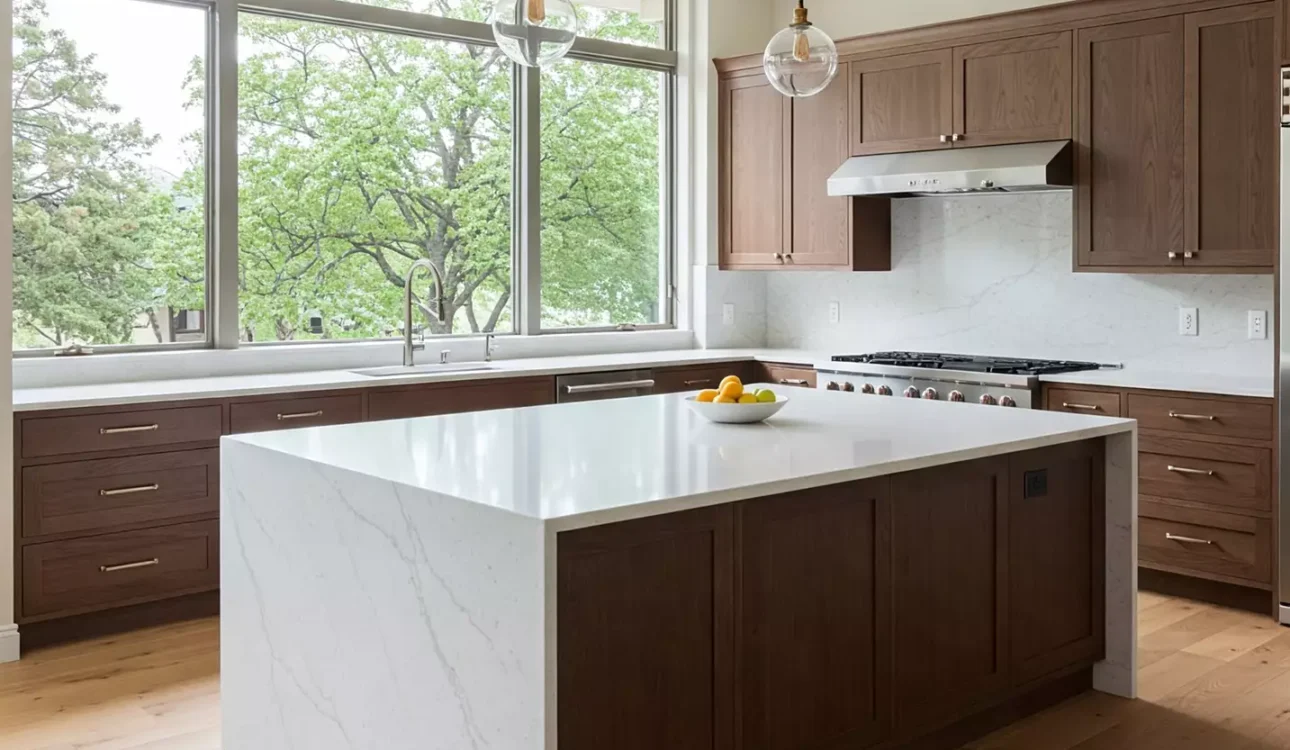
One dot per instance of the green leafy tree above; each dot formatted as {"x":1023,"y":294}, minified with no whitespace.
{"x":84,"y":211}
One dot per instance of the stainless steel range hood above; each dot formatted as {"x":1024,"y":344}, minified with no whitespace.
{"x":1014,"y":168}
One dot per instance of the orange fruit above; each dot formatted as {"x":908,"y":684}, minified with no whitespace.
{"x":731,"y":379}
{"x":731,"y":389}
{"x":725,"y":400}
{"x":748,"y":398}
{"x":707,"y":396}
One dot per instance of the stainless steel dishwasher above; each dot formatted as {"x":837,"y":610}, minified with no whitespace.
{"x":601,"y":385}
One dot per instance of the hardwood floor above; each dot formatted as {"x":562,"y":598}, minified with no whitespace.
{"x":1211,"y":679}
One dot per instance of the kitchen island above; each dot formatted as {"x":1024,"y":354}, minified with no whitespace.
{"x":857,"y":572}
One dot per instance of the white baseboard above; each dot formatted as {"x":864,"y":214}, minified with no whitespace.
{"x":8,"y":643}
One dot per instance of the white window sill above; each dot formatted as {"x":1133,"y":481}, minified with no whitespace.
{"x":50,"y":372}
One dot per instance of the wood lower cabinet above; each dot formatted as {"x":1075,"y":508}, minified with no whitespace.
{"x":809,"y":618}
{"x":294,"y":412}
{"x":455,"y":398}
{"x":645,"y":632}
{"x":900,"y":611}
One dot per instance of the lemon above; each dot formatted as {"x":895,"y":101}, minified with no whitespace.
{"x":748,"y":398}
{"x":707,"y":396}
{"x":732,"y":389}
{"x":766,"y":396}
{"x":724,"y":400}
{"x":731,"y":379}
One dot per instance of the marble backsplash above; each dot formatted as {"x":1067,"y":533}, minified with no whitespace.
{"x":992,"y":274}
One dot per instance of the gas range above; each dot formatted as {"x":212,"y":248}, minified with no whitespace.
{"x":993,"y":381}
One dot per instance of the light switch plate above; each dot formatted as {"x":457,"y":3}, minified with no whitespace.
{"x":835,"y":312}
{"x":728,"y":314}
{"x":1258,"y":325}
{"x":1188,"y":321}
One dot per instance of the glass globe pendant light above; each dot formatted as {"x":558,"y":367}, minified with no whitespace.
{"x":534,"y":32}
{"x":801,"y":60}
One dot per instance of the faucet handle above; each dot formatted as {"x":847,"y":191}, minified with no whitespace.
{"x":443,"y":356}
{"x":489,"y":347}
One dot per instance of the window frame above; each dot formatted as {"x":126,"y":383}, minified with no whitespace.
{"x":221,"y":161}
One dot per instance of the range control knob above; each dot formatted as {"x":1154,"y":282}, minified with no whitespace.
{"x":867,"y":388}
{"x":1007,"y":401}
{"x":957,"y":397}
{"x":884,"y":390}
{"x":987,"y":399}
{"x":833,"y":386}
{"x":849,"y":387}
{"x":931,"y":395}
{"x":912,"y":392}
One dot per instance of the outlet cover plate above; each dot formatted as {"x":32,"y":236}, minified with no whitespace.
{"x":835,"y":312}
{"x":1258,"y":324}
{"x":1188,"y":321}
{"x":728,"y":314}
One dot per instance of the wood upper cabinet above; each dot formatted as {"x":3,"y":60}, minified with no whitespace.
{"x":902,"y":103}
{"x":820,"y":225}
{"x":756,"y":172}
{"x":810,"y":618}
{"x":1233,"y":111}
{"x":1013,"y":91}
{"x":1130,"y":145}
{"x":1283,"y":20}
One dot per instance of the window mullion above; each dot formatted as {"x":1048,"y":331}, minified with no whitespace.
{"x":222,"y":190}
{"x":528,"y":199}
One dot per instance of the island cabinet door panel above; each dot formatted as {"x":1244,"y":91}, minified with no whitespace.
{"x":1013,"y":91}
{"x":948,"y":592}
{"x":644,"y":632}
{"x":809,"y":618}
{"x":1129,"y":144}
{"x":427,"y":401}
{"x":756,"y":127}
{"x":1055,"y":558}
{"x":1232,"y":113}
{"x":902,"y":103}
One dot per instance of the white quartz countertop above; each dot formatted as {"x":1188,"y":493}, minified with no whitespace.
{"x":596,"y":462}
{"x":1223,"y":384}
{"x":114,"y":394}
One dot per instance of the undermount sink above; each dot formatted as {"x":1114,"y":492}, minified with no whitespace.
{"x":395,"y":371}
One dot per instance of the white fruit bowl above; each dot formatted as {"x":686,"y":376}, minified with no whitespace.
{"x":735,"y":413}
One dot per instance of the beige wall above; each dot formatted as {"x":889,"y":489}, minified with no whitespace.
{"x":8,"y":632}
{"x":843,"y":18}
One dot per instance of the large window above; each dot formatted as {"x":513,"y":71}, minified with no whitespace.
{"x":109,"y":177}
{"x":355,"y":139}
{"x":362,"y":152}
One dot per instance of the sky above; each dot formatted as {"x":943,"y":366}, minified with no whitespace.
{"x":145,"y":50}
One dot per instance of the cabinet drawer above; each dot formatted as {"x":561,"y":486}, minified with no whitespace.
{"x":88,"y":433}
{"x":286,"y":413}
{"x":425,"y":401}
{"x":788,"y":375}
{"x":680,"y":379}
{"x":96,"y":495}
{"x":1214,"y":545}
{"x":1230,"y":477}
{"x":83,"y":575}
{"x":1092,"y":403}
{"x":1202,"y":416}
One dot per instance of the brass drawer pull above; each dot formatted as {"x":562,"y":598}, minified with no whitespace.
{"x":1201,"y":417}
{"x":129,"y":566}
{"x":793,"y":381}
{"x":1185,"y":470}
{"x":129,"y":490}
{"x":1186,"y":539}
{"x":692,"y":383}
{"x":1081,"y":407}
{"x":300,"y":415}
{"x":134,"y":428}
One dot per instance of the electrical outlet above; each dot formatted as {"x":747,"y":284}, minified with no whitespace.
{"x":835,"y":312}
{"x":728,"y":314}
{"x":1258,"y":328}
{"x":1188,"y":321}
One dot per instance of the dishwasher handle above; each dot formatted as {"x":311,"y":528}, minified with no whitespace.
{"x":629,"y":385}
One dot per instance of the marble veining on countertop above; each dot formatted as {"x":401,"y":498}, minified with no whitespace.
{"x":577,"y":462}
{"x":226,"y":386}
